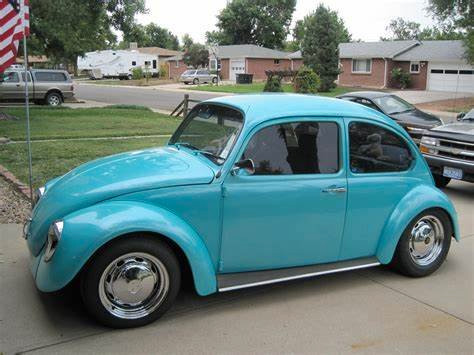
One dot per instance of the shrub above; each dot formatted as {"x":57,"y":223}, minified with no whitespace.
{"x":306,"y":81}
{"x":401,"y":77}
{"x":163,"y":71}
{"x":273,"y":84}
{"x":137,"y":73}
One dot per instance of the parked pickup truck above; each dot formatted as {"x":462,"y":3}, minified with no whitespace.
{"x":449,"y":150}
{"x":45,"y":86}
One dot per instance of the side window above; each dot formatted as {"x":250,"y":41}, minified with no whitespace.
{"x":367,"y":103}
{"x":50,"y":76}
{"x":374,"y":149}
{"x":295,"y":148}
{"x":11,"y":77}
{"x":23,"y":77}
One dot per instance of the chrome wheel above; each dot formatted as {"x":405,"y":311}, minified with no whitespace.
{"x":133,"y":285}
{"x":54,"y":100}
{"x":426,"y":240}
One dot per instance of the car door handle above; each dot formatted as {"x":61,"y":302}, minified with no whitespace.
{"x":334,"y":189}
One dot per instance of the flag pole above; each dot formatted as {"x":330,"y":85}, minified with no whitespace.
{"x":27,"y":107}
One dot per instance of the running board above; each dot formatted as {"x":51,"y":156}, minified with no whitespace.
{"x":235,"y":281}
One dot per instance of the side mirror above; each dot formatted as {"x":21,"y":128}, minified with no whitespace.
{"x":243,"y":167}
{"x":460,"y":116}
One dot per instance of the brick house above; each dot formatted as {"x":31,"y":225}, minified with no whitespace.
{"x":296,"y":60}
{"x":176,"y":66}
{"x":248,"y":59}
{"x":433,"y":65}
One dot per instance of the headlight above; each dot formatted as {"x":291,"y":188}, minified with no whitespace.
{"x":429,"y":141}
{"x":38,"y":194}
{"x":429,"y":144}
{"x":54,"y":235}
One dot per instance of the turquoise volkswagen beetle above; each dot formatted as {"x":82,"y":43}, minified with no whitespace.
{"x":250,"y":190}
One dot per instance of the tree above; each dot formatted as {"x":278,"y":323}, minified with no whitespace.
{"x":66,"y":29}
{"x":196,"y":56}
{"x":324,"y":30}
{"x":400,"y":29}
{"x":261,"y":22}
{"x":150,"y":35}
{"x":187,"y":41}
{"x":459,"y":14}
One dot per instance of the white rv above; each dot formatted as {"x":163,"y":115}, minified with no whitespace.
{"x":116,"y":63}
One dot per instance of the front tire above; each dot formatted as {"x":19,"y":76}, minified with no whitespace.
{"x":424,"y":245}
{"x":132,"y":282}
{"x":441,"y":181}
{"x":214,"y":80}
{"x":196,"y":81}
{"x":54,"y":99}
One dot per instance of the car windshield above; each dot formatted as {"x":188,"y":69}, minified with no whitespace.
{"x":189,"y":72}
{"x":392,"y":104}
{"x":469,"y":116}
{"x":210,"y":130}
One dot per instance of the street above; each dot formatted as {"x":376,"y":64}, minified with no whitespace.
{"x":154,"y":98}
{"x":368,"y":311}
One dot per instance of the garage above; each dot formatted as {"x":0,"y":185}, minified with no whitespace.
{"x":237,"y":66}
{"x":448,"y":76}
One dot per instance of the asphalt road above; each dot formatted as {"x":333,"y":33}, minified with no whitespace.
{"x":155,"y":98}
{"x":367,"y":311}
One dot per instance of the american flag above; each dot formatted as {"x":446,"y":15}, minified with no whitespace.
{"x":14,"y":21}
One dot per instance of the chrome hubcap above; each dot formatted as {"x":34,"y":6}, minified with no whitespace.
{"x":54,"y":101}
{"x":133,"y":285}
{"x":426,"y":240}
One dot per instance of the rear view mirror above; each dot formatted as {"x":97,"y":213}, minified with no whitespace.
{"x":243,"y":167}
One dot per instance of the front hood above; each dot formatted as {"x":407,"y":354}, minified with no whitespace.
{"x":417,"y":118}
{"x":112,"y":176}
{"x":459,"y":131}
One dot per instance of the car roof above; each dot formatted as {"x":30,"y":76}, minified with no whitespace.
{"x":365,"y":94}
{"x":263,"y":107}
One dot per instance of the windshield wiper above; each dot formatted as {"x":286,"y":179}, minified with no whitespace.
{"x":397,"y":112}
{"x":185,"y":144}
{"x":198,"y":151}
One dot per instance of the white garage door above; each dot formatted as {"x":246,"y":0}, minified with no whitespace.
{"x":450,"y":77}
{"x":237,"y":66}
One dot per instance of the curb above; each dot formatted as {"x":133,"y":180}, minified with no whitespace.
{"x":13,"y":180}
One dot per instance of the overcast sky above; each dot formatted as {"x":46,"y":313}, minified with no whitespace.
{"x":365,"y":19}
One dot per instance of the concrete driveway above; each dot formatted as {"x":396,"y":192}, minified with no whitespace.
{"x":369,"y":311}
{"x":419,"y":96}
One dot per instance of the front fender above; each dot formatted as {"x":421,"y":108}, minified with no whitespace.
{"x":86,"y":230}
{"x":416,"y":201}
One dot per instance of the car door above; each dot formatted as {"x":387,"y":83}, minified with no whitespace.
{"x":291,"y":211}
{"x":378,"y":160}
{"x":11,"y":88}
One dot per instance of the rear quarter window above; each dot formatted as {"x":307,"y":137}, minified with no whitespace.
{"x":50,"y":76}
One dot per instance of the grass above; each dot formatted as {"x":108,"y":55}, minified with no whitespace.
{"x":258,"y":87}
{"x":51,"y":159}
{"x":112,"y":121}
{"x":451,"y":105}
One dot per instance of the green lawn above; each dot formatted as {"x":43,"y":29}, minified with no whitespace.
{"x":51,"y":159}
{"x":112,"y":121}
{"x":258,"y":87}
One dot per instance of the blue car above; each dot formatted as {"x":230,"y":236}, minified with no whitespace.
{"x":250,"y":190}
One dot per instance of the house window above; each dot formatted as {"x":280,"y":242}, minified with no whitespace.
{"x":276,"y":61}
{"x":415,"y":67}
{"x":134,"y":63}
{"x":361,"y":65}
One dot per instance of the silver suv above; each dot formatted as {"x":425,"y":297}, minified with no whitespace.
{"x":44,"y":86}
{"x":198,"y":76}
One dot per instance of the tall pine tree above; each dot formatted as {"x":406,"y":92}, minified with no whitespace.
{"x":324,"y":30}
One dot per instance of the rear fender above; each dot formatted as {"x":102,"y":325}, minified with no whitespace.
{"x":419,"y":199}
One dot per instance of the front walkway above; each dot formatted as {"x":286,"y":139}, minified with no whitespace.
{"x":420,"y":96}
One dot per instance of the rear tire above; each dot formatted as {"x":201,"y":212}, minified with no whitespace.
{"x":441,"y":181}
{"x":54,"y":99}
{"x":424,"y":244}
{"x":132,"y":282}
{"x":214,"y":80}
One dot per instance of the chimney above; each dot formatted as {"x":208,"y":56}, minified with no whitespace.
{"x":133,"y":45}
